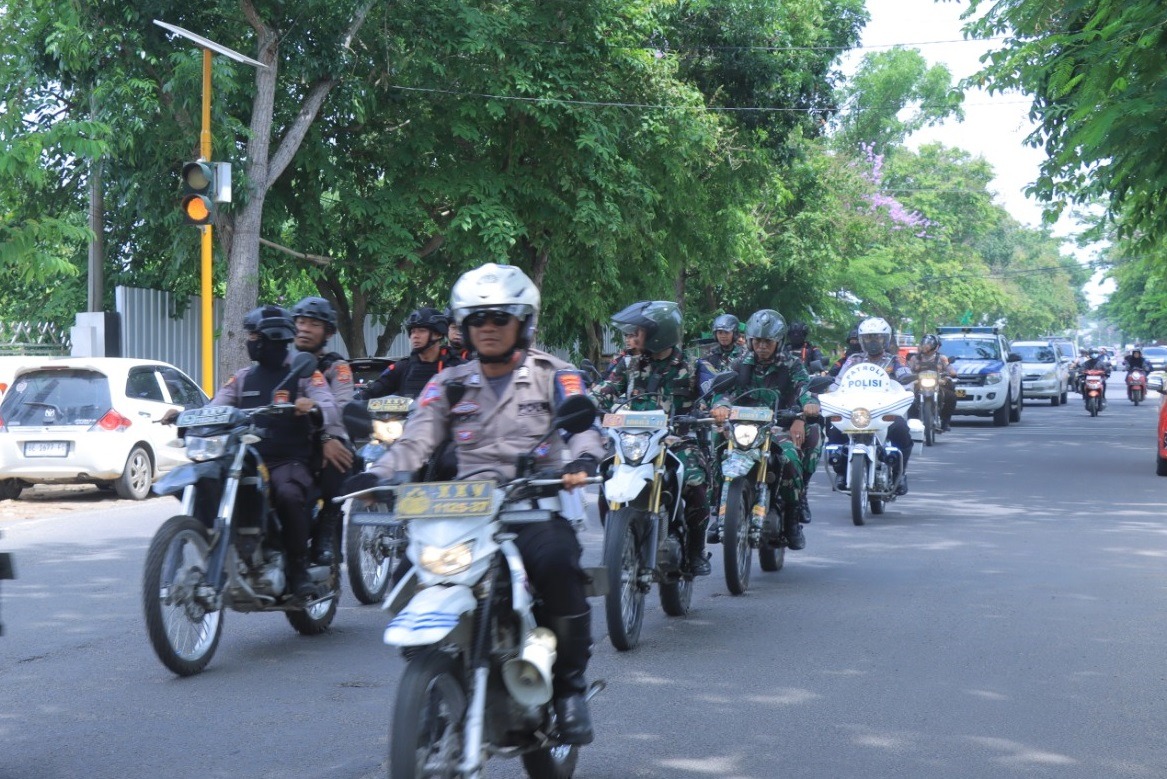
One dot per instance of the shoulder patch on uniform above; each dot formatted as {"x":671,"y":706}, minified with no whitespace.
{"x":465,"y":407}
{"x":570,"y":382}
{"x":432,"y":392}
{"x":318,"y":379}
{"x":230,"y":381}
{"x":280,"y":396}
{"x":344,"y":373}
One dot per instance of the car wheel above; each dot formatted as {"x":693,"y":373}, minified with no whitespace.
{"x":1161,"y":466}
{"x":135,"y":481}
{"x":10,"y":489}
{"x":1015,"y":413}
{"x":1001,"y":415}
{"x":1065,"y":397}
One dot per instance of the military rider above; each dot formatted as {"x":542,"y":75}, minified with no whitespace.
{"x":768,"y":366}
{"x":495,"y":408}
{"x":929,"y":358}
{"x":315,"y":320}
{"x":875,"y":347}
{"x":799,"y":345}
{"x":660,"y":377}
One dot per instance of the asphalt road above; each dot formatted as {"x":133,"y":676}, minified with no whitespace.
{"x":1004,"y":619}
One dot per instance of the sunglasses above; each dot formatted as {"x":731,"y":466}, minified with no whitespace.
{"x":480,"y":318}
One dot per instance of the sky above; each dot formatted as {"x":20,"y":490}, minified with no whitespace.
{"x":995,"y":126}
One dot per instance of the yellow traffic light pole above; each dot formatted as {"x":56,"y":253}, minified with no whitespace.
{"x":208,"y":300}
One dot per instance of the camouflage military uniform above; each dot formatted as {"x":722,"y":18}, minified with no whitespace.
{"x":648,"y":384}
{"x":783,"y":383}
{"x":717,"y":359}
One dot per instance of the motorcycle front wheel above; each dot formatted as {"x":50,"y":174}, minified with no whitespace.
{"x":624,"y":603}
{"x":735,"y":542}
{"x":929,"y":419}
{"x":372,"y":553}
{"x":183,"y":633}
{"x":1092,"y":406}
{"x":553,"y":763}
{"x":858,"y":484}
{"x":425,"y":738}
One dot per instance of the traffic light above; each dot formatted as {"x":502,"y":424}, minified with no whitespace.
{"x":198,"y":184}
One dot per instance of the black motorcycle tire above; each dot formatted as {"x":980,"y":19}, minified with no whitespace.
{"x":370,"y":567}
{"x":735,"y":535}
{"x":430,"y":706}
{"x":771,"y":558}
{"x":552,"y":763}
{"x":676,"y":597}
{"x":316,"y":619}
{"x":929,"y":419}
{"x":208,"y":627}
{"x":1092,"y":406}
{"x":858,"y":484}
{"x":624,"y":603}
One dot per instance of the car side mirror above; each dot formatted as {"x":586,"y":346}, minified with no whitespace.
{"x":1013,"y":357}
{"x":1156,"y":383}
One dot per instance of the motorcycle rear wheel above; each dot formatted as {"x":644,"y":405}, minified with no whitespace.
{"x":315,"y":619}
{"x":735,"y":541}
{"x":624,"y":603}
{"x":929,"y":420}
{"x":370,"y":562}
{"x":183,"y":634}
{"x":676,"y":597}
{"x":425,"y":737}
{"x":858,"y":484}
{"x":1092,"y":406}
{"x":771,"y":558}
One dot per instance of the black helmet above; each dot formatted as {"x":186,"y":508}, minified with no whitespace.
{"x":930,"y":340}
{"x":797,"y":333}
{"x":316,"y":308}
{"x":767,"y":324}
{"x":660,"y":319}
{"x":272,"y":322}
{"x":727,"y":322}
{"x":429,"y":318}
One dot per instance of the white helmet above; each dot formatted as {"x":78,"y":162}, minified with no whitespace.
{"x":874,"y":336}
{"x":497,"y":288}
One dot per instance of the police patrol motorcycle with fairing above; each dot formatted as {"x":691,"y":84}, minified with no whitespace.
{"x":866,"y":404}
{"x":199,"y":565}
{"x":478,"y":682}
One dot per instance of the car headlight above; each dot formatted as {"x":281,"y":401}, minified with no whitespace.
{"x":387,"y":432}
{"x":634,"y":446}
{"x":860,"y":418}
{"x":993,"y":378}
{"x":745,"y":435}
{"x":209,"y":448}
{"x":1050,"y":376}
{"x":447,"y":561}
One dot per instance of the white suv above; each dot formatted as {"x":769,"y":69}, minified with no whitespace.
{"x":988,"y":374}
{"x":1044,"y":372}
{"x":92,"y":421}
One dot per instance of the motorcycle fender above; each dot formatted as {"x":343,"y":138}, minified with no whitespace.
{"x":737,"y":464}
{"x":862,"y":449}
{"x":430,"y":615}
{"x":627,"y":482}
{"x":183,"y":476}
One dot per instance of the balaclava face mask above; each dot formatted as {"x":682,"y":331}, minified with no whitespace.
{"x":268,"y":353}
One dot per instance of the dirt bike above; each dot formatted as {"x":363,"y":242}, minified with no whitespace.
{"x":477,"y":683}
{"x":224,"y":549}
{"x":928,"y":397}
{"x":864,"y":407}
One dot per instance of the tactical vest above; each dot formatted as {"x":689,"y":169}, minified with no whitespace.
{"x":284,"y":437}
{"x":326,"y":361}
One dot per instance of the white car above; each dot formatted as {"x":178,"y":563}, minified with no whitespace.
{"x":91,"y":420}
{"x":1044,"y":372}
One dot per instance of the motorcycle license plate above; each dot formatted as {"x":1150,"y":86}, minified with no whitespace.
{"x":960,"y":394}
{"x":390,"y":404}
{"x":445,"y":499}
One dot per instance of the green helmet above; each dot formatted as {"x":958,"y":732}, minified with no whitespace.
{"x":767,"y":324}
{"x":660,"y":319}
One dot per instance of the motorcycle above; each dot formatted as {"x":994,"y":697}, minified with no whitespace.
{"x":1094,"y":391}
{"x":374,"y":549}
{"x":1136,"y":386}
{"x":928,"y":397}
{"x":863,"y":408}
{"x":223,"y":550}
{"x":478,"y":679}
{"x":645,"y":533}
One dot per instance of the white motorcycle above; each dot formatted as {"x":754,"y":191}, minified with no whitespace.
{"x":478,"y":683}
{"x":864,"y":407}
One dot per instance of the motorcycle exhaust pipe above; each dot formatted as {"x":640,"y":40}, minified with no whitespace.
{"x":528,"y":676}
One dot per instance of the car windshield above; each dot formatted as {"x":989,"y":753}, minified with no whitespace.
{"x":57,"y":397}
{"x":1158,"y":352}
{"x":969,"y":348}
{"x":1035,"y":353}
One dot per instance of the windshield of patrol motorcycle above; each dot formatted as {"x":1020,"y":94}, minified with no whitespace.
{"x":970,"y":348}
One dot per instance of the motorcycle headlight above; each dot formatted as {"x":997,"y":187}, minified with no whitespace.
{"x":209,"y":448}
{"x":927,"y":382}
{"x":387,"y":432}
{"x":447,"y":561}
{"x":993,"y":378}
{"x":634,"y":446}
{"x":860,"y":418}
{"x":745,"y":435}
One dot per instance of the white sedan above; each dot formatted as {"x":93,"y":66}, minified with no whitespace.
{"x":92,"y":420}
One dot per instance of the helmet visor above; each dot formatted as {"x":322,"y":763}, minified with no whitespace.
{"x":874,"y":343}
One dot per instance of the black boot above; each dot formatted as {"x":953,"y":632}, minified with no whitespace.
{"x":324,"y":537}
{"x":792,"y":529}
{"x":698,"y":561}
{"x":804,"y":506}
{"x":299,"y":582}
{"x":713,"y":534}
{"x":572,"y":651}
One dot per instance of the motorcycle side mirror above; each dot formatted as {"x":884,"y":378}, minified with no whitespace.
{"x":819,"y":384}
{"x":722,"y":382}
{"x":815,"y":366}
{"x":575,"y":414}
{"x":358,"y":422}
{"x":1013,"y":357}
{"x":587,"y":366}
{"x":302,"y":366}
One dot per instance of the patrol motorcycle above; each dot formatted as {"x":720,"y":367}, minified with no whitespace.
{"x":1094,"y":391}
{"x":478,"y":679}
{"x":645,"y":533}
{"x":224,"y":549}
{"x":863,"y":408}
{"x":374,"y":550}
{"x":927,"y":395}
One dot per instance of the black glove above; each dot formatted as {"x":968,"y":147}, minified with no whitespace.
{"x":360,"y":482}
{"x":585,"y":463}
